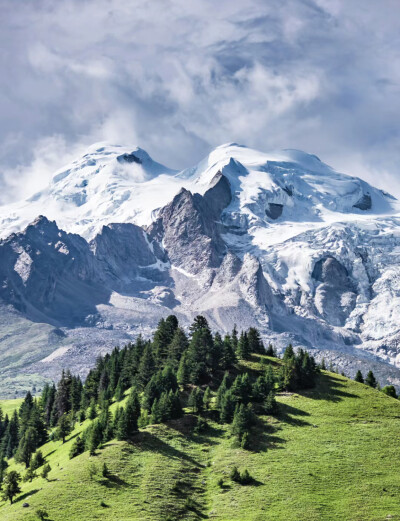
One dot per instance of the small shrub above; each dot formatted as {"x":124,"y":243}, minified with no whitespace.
{"x":92,"y":470}
{"x":234,"y":474}
{"x":104,"y":505}
{"x":220,"y":483}
{"x":245,"y":478}
{"x":105,"y":472}
{"x":41,"y":514}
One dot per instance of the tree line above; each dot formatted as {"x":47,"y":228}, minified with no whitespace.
{"x":153,"y":381}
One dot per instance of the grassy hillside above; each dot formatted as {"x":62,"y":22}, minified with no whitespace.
{"x":331,"y":453}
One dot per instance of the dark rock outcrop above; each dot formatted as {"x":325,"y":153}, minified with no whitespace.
{"x":274,"y":210}
{"x":364,"y":203}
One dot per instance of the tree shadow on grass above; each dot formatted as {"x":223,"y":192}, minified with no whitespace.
{"x":113,"y":481}
{"x":26,"y":495}
{"x":289,"y":414}
{"x":329,"y":388}
{"x":149,"y":441}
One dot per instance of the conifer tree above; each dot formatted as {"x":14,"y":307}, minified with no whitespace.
{"x":270,"y":404}
{"x":132,"y":413}
{"x":64,"y":427}
{"x":371,"y":380}
{"x":228,"y":358}
{"x":77,"y":448}
{"x":241,"y":421}
{"x":37,"y":460}
{"x":270,"y":351}
{"x":11,"y":486}
{"x":26,"y":447}
{"x":177,"y":347}
{"x":227,"y":407}
{"x":359,"y":377}
{"x":183,"y":371}
{"x":207,"y":398}
{"x":146,"y":367}
{"x":255,"y":343}
{"x":46,"y":470}
{"x":243,"y":349}
{"x":222,"y":390}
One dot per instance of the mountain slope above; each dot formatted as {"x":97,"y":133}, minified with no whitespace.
{"x":330,"y":454}
{"x":275,"y":240}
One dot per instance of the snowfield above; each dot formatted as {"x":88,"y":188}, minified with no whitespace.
{"x":278,"y":240}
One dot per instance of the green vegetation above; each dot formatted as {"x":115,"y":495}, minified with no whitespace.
{"x":251,"y":438}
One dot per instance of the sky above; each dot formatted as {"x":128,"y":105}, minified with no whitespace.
{"x":179,"y":77}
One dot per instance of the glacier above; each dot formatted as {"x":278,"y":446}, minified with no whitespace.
{"x":277,"y":240}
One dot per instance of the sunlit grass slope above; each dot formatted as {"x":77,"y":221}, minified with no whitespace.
{"x":332,"y":453}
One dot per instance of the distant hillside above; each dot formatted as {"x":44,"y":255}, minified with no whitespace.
{"x":328,"y":453}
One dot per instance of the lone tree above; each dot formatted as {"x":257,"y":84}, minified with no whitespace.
{"x":45,"y":472}
{"x":390,"y":391}
{"x":359,"y":377}
{"x":371,"y":380}
{"x":11,"y":485}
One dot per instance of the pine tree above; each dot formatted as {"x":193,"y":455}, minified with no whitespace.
{"x":227,"y":407}
{"x":30,"y":474}
{"x":359,"y":377}
{"x":11,"y":487}
{"x":119,"y":392}
{"x":92,"y":410}
{"x":196,"y":400}
{"x":177,"y":347}
{"x":255,"y":343}
{"x":78,"y":447}
{"x":26,"y":447}
{"x":46,"y":470}
{"x":241,"y":421}
{"x":132,"y":413}
{"x":37,"y":460}
{"x":243,"y":349}
{"x":3,"y":467}
{"x":222,"y":390}
{"x":183,"y":371}
{"x":156,"y":412}
{"x":122,"y":425}
{"x":207,"y":398}
{"x":146,"y":367}
{"x":228,"y":353}
{"x":270,"y":351}
{"x":64,"y":427}
{"x":270,"y":404}
{"x":371,"y":380}
{"x":289,"y":353}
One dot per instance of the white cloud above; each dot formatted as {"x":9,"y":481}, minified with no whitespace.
{"x":180,"y":77}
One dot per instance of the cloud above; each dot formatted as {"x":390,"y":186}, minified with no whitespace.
{"x":178,"y":78}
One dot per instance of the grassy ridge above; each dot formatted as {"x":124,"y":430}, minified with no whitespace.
{"x":332,"y":453}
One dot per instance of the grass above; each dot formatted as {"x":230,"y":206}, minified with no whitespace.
{"x":332,"y":453}
{"x":8,"y":406}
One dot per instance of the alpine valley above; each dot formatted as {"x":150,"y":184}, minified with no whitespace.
{"x":276,"y":240}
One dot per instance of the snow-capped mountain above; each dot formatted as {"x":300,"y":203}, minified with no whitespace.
{"x":278,"y":240}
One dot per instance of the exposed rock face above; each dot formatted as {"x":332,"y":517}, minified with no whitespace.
{"x":335,"y":297}
{"x":46,"y":272}
{"x":188,"y":230}
{"x":126,"y":252}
